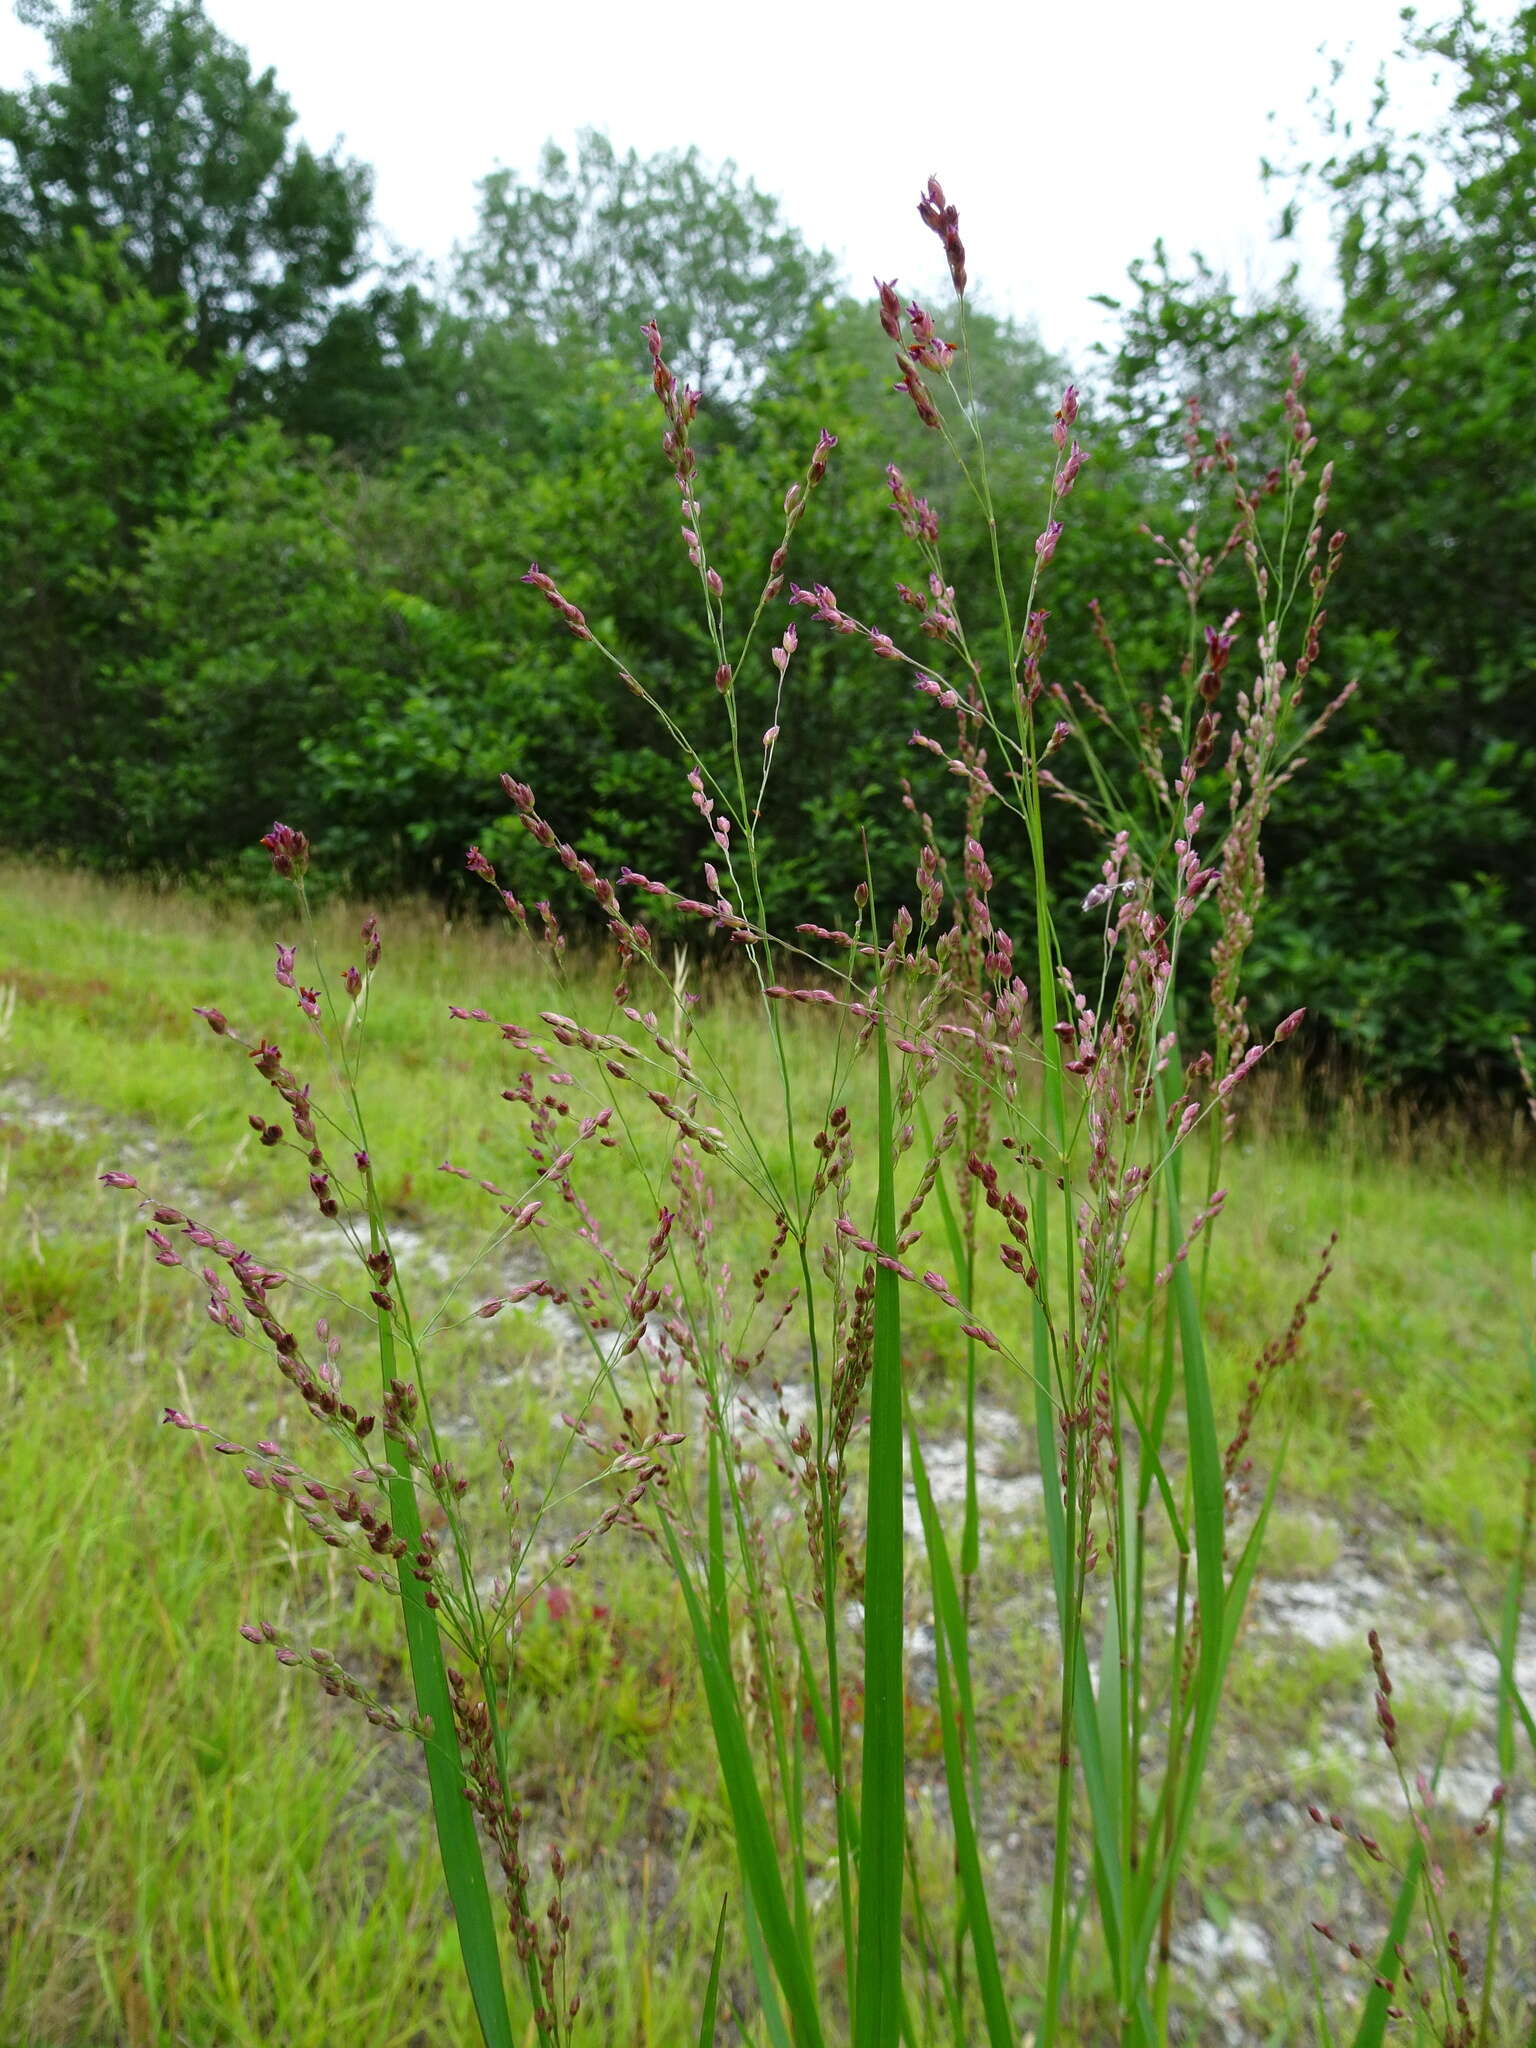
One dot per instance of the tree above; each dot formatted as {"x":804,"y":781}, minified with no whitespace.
{"x":1418,"y":827}
{"x":401,"y":370}
{"x":392,"y":370}
{"x":1191,"y":336}
{"x":604,"y":242}
{"x":1436,"y":362}
{"x":156,"y":133}
{"x":102,"y":432}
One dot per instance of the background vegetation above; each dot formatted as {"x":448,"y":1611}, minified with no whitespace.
{"x":267,"y":507}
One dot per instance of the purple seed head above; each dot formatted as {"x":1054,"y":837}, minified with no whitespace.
{"x":662,"y":379}
{"x":289,"y":850}
{"x":936,"y":213}
{"x":268,"y":1060}
{"x":918,"y":392}
{"x":1218,"y":646}
{"x":1067,"y":475}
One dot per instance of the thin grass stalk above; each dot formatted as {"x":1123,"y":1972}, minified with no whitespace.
{"x":961,"y":1242}
{"x":1060,"y":1519}
{"x":1057,"y":1540}
{"x":877,"y":1984}
{"x":757,"y":1850}
{"x":843,"y":1812}
{"x":457,"y":1839}
{"x":956,"y":1705}
{"x":1205,"y":1467}
{"x":1069,"y":1607}
{"x":757,"y":1602}
{"x":928,"y":1947}
{"x":1509,"y":1634}
{"x":1372,"y":2029}
{"x":1166,"y":1803}
{"x":780,"y":1780}
{"x":712,"y":1988}
{"x":763,"y":1977}
{"x":1177,"y":1803}
{"x":1126,"y":1723}
{"x":1501,"y":1825}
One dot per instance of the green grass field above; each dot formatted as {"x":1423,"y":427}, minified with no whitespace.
{"x":197,"y":1847}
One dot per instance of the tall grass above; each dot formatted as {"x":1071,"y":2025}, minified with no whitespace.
{"x":989,"y":1134}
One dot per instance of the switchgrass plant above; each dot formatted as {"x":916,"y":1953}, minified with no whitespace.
{"x":1002,"y":1135}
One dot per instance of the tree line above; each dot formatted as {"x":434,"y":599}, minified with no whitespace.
{"x":268,"y":505}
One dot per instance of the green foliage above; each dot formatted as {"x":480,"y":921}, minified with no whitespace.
{"x":103,"y":429}
{"x":604,"y":242}
{"x":359,"y":651}
{"x":1431,"y":387}
{"x":155,"y":132}
{"x":1392,"y":906}
{"x":387,"y":372}
{"x":402,"y":374}
{"x":264,"y":621}
{"x":1404,"y":887}
{"x":207,"y":627}
{"x":1191,"y":336}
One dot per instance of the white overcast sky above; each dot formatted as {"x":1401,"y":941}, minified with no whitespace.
{"x":1069,"y":137}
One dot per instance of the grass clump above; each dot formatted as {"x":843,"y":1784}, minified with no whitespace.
{"x":752,"y":1229}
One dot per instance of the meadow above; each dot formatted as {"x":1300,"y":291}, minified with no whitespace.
{"x":200,"y":1848}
